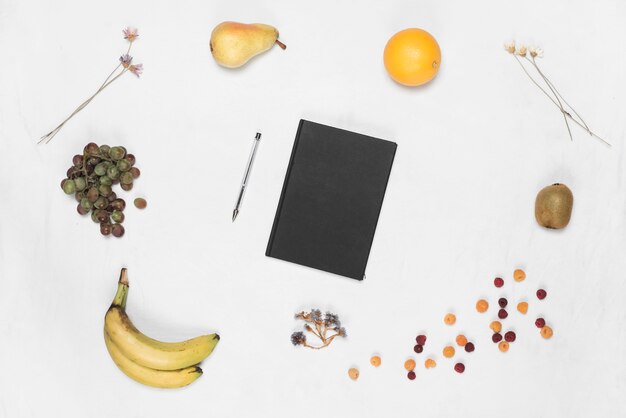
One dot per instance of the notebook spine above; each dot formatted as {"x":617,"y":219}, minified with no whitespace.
{"x":282,"y":193}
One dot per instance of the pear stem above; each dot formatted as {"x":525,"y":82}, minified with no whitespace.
{"x":280,"y":44}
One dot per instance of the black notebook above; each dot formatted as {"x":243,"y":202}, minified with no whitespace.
{"x":331,"y":199}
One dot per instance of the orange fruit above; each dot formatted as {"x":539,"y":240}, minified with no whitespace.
{"x":375,"y":361}
{"x":482,"y":305}
{"x":461,"y":340}
{"x":448,"y":351}
{"x":503,"y":346}
{"x":430,"y":363}
{"x":409,"y":364}
{"x":546,"y":332}
{"x":496,"y":326}
{"x":519,"y":275}
{"x":522,"y":307}
{"x":449,"y":319}
{"x":412,"y":57}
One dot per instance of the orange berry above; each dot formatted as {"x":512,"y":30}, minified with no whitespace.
{"x":546,"y":332}
{"x":409,"y":364}
{"x":375,"y":361}
{"x":503,"y":346}
{"x":430,"y":363}
{"x":449,"y":319}
{"x":519,"y":275}
{"x":482,"y":305}
{"x":448,"y":351}
{"x":522,"y":307}
{"x":496,"y":326}
{"x":461,"y":340}
{"x":353,"y":373}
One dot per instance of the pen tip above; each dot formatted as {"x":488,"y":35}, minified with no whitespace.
{"x":235,"y":213}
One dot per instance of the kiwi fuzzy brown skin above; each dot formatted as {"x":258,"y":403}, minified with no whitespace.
{"x":553,"y":206}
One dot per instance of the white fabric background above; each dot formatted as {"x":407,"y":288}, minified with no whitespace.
{"x":474,"y":147}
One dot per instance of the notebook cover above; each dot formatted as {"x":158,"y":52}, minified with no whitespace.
{"x":331,"y":199}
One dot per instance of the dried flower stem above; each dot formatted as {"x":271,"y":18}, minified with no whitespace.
{"x":319,"y":326}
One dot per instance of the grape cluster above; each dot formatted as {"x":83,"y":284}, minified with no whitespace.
{"x":91,"y":178}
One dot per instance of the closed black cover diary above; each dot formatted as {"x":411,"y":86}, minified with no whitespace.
{"x":331,"y":199}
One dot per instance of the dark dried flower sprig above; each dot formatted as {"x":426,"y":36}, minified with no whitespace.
{"x":529,"y":56}
{"x":124,"y":66}
{"x":325,"y":327}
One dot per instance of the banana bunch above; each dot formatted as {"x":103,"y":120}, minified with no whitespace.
{"x":148,"y":361}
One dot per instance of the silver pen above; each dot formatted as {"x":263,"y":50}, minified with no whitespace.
{"x":246,"y":174}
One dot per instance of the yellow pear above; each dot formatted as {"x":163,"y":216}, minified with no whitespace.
{"x":233,"y":44}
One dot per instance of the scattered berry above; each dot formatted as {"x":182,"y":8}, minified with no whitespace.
{"x":503,"y":346}
{"x":482,"y":305}
{"x":503,"y":302}
{"x":421,"y":339}
{"x":140,"y":203}
{"x":522,"y":307}
{"x":411,"y":375}
{"x":502,"y":313}
{"x":469,"y":347}
{"x":430,"y":363}
{"x":461,"y":340}
{"x":541,"y":294}
{"x":353,"y":373}
{"x":498,"y":282}
{"x":449,"y":319}
{"x":409,"y":364}
{"x":448,"y":351}
{"x":496,"y":326}
{"x":459,"y":367}
{"x":375,"y":361}
{"x":418,"y":348}
{"x":509,"y":337}
{"x":546,"y":332}
{"x":519,"y":275}
{"x":496,"y":338}
{"x":540,"y":322}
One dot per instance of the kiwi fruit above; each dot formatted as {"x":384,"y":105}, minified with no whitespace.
{"x":553,"y":206}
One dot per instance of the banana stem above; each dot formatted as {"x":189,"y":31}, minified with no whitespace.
{"x":122,"y":291}
{"x":280,"y":44}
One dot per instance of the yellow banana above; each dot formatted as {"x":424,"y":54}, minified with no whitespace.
{"x":151,"y":377}
{"x":146,"y":351}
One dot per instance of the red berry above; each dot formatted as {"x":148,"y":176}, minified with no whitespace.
{"x":459,"y":367}
{"x":411,"y":375}
{"x":421,"y":339}
{"x":541,"y":294}
{"x":503,"y":302}
{"x":469,"y":347}
{"x":502,"y":313}
{"x":418,"y":348}
{"x":509,"y":337}
{"x":496,"y":337}
{"x":540,"y":323}
{"x":498,"y":282}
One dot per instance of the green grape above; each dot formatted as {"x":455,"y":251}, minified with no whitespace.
{"x":102,"y":215}
{"x":117,"y":153}
{"x":130,"y":158}
{"x":93,"y":217}
{"x":69,"y":187}
{"x":79,"y":196}
{"x":135,"y":172}
{"x":104,"y":150}
{"x":100,"y":169}
{"x":101,"y":203}
{"x":81,"y":210}
{"x":93,"y":194}
{"x":118,"y":204}
{"x":104,"y":190}
{"x":80,"y":183}
{"x":127,"y":187}
{"x":106,"y":180}
{"x":113,"y":172}
{"x":86,"y":204}
{"x":112,"y":197}
{"x":123,"y":165}
{"x":117,"y":216}
{"x":126,"y":178}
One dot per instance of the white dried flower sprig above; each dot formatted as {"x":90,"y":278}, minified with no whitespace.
{"x":522,"y":55}
{"x":125,"y":65}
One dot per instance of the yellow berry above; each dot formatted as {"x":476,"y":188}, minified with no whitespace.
{"x":375,"y":361}
{"x":482,"y":305}
{"x":522,"y":307}
{"x":461,"y":340}
{"x":519,"y":275}
{"x":496,"y":326}
{"x":503,"y":346}
{"x":353,"y":373}
{"x":546,"y":332}
{"x":448,"y":351}
{"x":449,"y":319}
{"x":430,"y":363}
{"x":409,"y":364}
